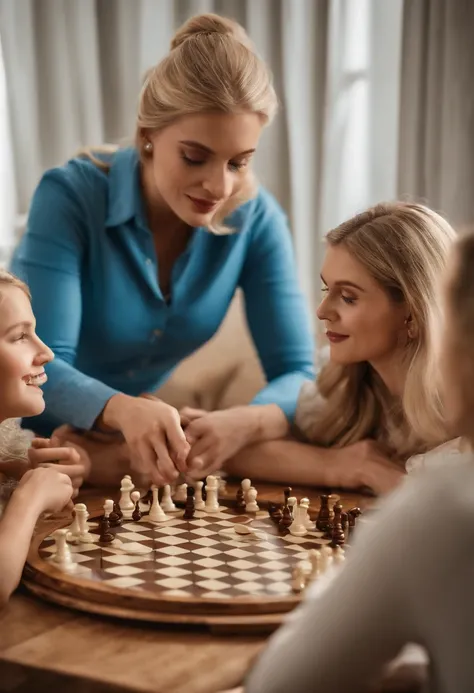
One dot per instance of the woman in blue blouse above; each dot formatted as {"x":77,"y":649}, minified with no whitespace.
{"x":133,"y":258}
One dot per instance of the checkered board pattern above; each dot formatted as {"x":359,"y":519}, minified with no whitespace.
{"x":201,"y":558}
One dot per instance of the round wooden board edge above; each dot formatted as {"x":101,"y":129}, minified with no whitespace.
{"x":265,"y":623}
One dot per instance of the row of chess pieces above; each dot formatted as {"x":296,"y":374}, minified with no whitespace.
{"x":203,"y":496}
{"x":332,"y":524}
{"x":318,"y":561}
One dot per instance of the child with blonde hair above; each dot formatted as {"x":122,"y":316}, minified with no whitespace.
{"x":44,"y":477}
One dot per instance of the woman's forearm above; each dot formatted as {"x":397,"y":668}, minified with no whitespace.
{"x":266,"y":422}
{"x":285,"y":462}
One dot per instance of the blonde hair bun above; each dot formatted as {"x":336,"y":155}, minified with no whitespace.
{"x":207,"y":24}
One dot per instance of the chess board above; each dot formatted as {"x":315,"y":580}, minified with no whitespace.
{"x":198,"y":571}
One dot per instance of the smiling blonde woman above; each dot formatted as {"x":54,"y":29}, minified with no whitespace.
{"x":377,"y":400}
{"x":134,"y":255}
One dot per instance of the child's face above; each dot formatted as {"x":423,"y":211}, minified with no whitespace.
{"x":22,"y":356}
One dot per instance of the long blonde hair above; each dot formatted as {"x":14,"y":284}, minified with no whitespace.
{"x":211,"y":66}
{"x":458,"y":360}
{"x":405,"y":248}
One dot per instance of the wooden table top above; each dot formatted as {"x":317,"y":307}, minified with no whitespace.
{"x":47,"y":647}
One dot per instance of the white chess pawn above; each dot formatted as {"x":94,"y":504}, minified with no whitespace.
{"x":315,"y":558}
{"x":339,"y":555}
{"x":74,"y":529}
{"x":135,"y":497}
{"x":305,"y":518}
{"x":84,"y":536}
{"x":246,"y":485}
{"x":326,"y":558}
{"x":199,"y":504}
{"x":297,"y":527}
{"x":251,"y":504}
{"x":125,"y":502}
{"x":180,"y":494}
{"x":212,"y":503}
{"x":166,"y":500}
{"x":298,"y":578}
{"x":156,"y":513}
{"x":63,"y":556}
{"x":108,"y":507}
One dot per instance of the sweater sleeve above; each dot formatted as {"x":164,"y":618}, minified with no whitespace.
{"x":50,"y":259}
{"x":354,"y":620}
{"x":276,"y":310}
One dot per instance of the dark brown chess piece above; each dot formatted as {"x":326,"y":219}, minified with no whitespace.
{"x":287,"y":493}
{"x":344,"y":522}
{"x":148,"y":497}
{"x":277,"y":515}
{"x":337,"y":534}
{"x":286,"y":518}
{"x":323,"y":522}
{"x":114,"y":518}
{"x":189,"y":506}
{"x":106,"y":536}
{"x":240,"y":500}
{"x":274,"y":512}
{"x":353,"y":514}
{"x":336,"y":508}
{"x":137,"y":513}
{"x":119,"y":513}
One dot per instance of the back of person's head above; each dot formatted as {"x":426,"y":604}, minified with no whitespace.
{"x":404,"y":247}
{"x":211,"y":66}
{"x":458,"y":342}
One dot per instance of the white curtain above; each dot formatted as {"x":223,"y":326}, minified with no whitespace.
{"x":74,"y":69}
{"x":8,"y":206}
{"x":437,"y":116}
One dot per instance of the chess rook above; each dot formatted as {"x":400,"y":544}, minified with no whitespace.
{"x":305,"y":518}
{"x":323,"y":522}
{"x":297,"y":527}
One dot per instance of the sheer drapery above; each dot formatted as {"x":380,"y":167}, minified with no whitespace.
{"x":74,"y":68}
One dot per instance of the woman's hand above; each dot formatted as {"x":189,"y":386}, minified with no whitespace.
{"x":363,"y":464}
{"x":66,"y":458}
{"x":152,"y":430}
{"x":217,"y":436}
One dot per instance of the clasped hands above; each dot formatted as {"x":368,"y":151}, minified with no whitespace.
{"x":192,"y":442}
